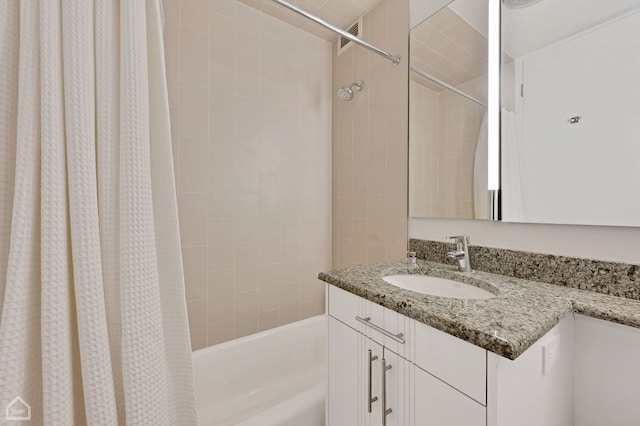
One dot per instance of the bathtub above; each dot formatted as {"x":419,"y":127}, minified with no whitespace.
{"x":277,"y":377}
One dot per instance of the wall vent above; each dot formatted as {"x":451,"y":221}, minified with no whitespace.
{"x":354,"y":29}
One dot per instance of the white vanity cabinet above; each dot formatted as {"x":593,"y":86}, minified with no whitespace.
{"x":433,"y":378}
{"x":356,"y":377}
{"x":437,"y":403}
{"x":405,"y":379}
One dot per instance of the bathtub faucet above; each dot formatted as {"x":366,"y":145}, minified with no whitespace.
{"x":461,"y":253}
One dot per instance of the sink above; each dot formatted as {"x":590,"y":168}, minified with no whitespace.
{"x":440,"y":287}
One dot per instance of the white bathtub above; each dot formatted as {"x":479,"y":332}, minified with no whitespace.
{"x":277,"y":377}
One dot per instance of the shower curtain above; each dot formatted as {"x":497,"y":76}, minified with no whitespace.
{"x":93,"y":325}
{"x":481,"y":197}
{"x":512,"y":206}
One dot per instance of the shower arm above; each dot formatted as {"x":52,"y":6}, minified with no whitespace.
{"x":393,"y":58}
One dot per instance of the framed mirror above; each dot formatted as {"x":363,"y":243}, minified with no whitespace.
{"x":448,"y":94}
{"x":571,"y":112}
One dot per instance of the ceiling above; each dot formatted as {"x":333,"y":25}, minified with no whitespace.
{"x":532,"y":28}
{"x":341,"y":13}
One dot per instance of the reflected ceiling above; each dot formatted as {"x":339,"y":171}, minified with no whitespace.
{"x":447,"y":47}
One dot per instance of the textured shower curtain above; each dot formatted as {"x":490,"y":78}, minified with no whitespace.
{"x":93,"y":325}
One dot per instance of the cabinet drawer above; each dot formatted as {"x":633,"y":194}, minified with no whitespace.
{"x":345,"y":306}
{"x":452,"y":360}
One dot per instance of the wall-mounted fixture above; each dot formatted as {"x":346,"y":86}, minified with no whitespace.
{"x":493,"y":112}
{"x":346,"y":92}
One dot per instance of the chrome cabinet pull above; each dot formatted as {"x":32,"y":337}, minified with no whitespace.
{"x":385,"y":411}
{"x":367,"y":321}
{"x":370,"y":399}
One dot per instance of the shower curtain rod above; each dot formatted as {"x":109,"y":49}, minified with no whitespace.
{"x":447,"y":85}
{"x":393,"y":58}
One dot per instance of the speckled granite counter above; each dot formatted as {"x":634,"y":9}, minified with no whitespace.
{"x":508,"y":324}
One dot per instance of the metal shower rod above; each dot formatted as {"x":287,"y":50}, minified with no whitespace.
{"x":447,"y":85}
{"x":393,"y":58}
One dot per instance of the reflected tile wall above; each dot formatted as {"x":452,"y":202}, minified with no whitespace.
{"x":250,"y":107}
{"x":443,"y":129}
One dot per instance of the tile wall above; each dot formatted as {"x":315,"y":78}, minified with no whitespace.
{"x":250,"y":106}
{"x":369,"y":144}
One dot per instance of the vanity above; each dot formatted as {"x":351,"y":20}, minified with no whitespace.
{"x":399,"y":357}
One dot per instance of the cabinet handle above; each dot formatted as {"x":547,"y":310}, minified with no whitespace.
{"x":385,"y":411}
{"x":367,"y":321}
{"x":370,"y":399}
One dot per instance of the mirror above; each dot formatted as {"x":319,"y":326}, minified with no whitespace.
{"x":571,"y":112}
{"x":447,"y":109}
{"x":569,"y":116}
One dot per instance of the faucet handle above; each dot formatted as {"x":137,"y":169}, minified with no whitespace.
{"x":464,"y":239}
{"x":412,"y":254}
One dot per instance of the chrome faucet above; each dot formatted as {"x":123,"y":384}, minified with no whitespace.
{"x":461,"y":254}
{"x":413,"y":258}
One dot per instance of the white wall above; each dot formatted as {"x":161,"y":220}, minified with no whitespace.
{"x":564,"y":166}
{"x":619,"y":244}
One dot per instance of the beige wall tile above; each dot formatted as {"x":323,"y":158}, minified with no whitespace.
{"x":194,"y":119}
{"x":194,"y":14}
{"x":221,"y":295}
{"x":251,"y":127}
{"x":193,"y":169}
{"x":172,"y":24}
{"x":268,"y":319}
{"x":195,"y":272}
{"x":193,"y":65}
{"x":192,"y":211}
{"x":289,"y":303}
{"x":197,"y":312}
{"x":221,"y":247}
{"x":221,"y":331}
{"x":225,"y":7}
{"x":246,"y":313}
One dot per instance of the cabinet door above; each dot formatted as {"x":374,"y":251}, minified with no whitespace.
{"x":344,"y":357}
{"x":438,"y":404}
{"x":398,"y":390}
{"x":355,"y":376}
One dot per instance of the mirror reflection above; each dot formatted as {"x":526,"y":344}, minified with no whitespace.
{"x":570,"y":123}
{"x":447,"y":110}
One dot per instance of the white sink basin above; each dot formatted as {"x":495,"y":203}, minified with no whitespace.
{"x":441,"y":287}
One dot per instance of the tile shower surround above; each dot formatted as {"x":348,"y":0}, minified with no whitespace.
{"x":612,"y":278}
{"x":369,"y":144}
{"x":250,"y":105}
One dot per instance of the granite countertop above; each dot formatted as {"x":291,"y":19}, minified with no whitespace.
{"x":508,"y":324}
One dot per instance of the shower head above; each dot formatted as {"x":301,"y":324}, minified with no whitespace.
{"x":346,"y":92}
{"x":519,"y":4}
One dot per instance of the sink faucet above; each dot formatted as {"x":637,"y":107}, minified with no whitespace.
{"x":413,"y":258}
{"x":461,"y":254}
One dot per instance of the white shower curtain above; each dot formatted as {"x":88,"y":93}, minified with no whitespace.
{"x":512,"y":206}
{"x":93,"y":325}
{"x":481,"y":198}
